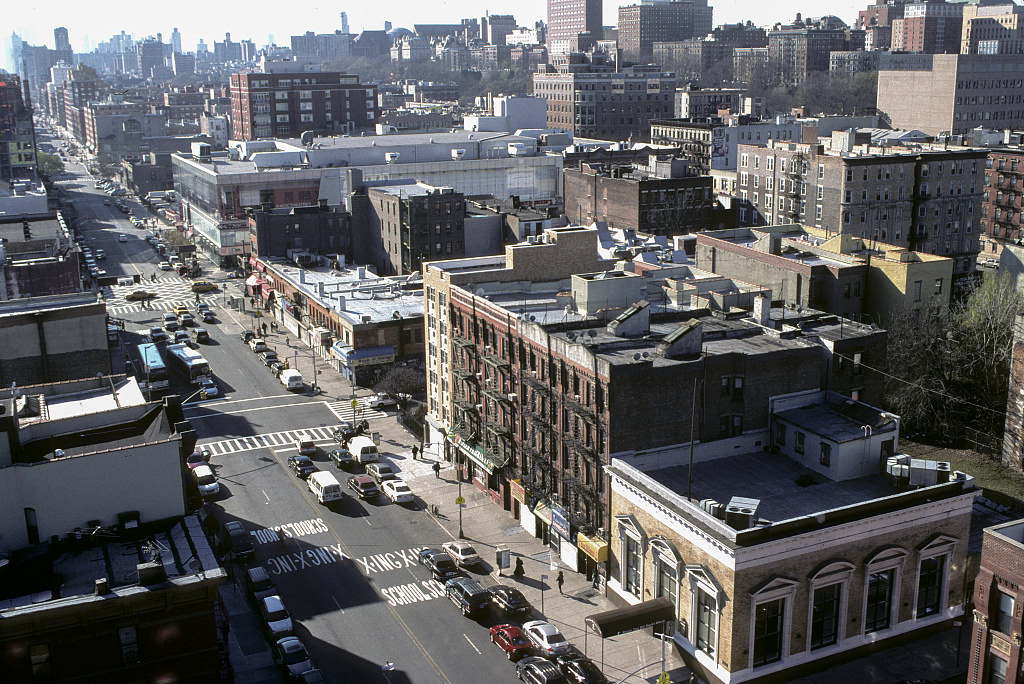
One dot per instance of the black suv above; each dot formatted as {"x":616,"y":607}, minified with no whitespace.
{"x":232,"y":538}
{"x":537,"y":670}
{"x":468,"y":594}
{"x":509,"y":600}
{"x":302,"y":466}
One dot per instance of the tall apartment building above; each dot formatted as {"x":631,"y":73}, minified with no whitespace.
{"x":595,"y":102}
{"x":659,"y":20}
{"x":951,"y":93}
{"x":325,"y":46}
{"x":925,"y":199}
{"x":796,"y":50}
{"x":996,"y":653}
{"x":568,"y":20}
{"x":265,"y":105}
{"x":691,"y":58}
{"x":992,"y":29}
{"x":17,"y":132}
{"x":1003,"y":198}
{"x":662,"y":197}
{"x":415,"y":223}
{"x":494,"y":28}
{"x":83,"y":86}
{"x":929,"y":27}
{"x":881,"y":14}
{"x":697,"y":103}
{"x":544,"y":363}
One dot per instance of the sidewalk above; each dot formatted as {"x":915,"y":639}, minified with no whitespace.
{"x":487,"y":526}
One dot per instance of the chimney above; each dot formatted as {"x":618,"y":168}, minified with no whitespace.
{"x":762,"y":310}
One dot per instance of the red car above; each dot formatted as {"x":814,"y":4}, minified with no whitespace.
{"x":511,"y":640}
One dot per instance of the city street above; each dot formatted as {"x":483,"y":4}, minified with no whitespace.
{"x":347,"y":574}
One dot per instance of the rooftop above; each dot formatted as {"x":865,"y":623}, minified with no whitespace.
{"x":179,"y":550}
{"x":355,"y":294}
{"x":785,"y":488}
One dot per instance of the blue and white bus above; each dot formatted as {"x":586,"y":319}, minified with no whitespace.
{"x":189,"y":363}
{"x":153,"y":367}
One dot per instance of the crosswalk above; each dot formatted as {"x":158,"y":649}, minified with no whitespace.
{"x":344,"y":411}
{"x":171,"y":291}
{"x":285,"y":438}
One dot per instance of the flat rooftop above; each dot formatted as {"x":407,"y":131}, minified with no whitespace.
{"x":123,"y":394}
{"x":342,"y":142}
{"x":180,"y":547}
{"x":779,"y":483}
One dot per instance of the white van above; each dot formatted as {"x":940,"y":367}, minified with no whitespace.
{"x":324,"y":486}
{"x":363,"y":449}
{"x":305,"y":444}
{"x":291,"y":378}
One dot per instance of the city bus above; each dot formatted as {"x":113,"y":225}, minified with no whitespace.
{"x":189,"y":363}
{"x":153,"y":367}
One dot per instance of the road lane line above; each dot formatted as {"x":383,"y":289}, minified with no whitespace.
{"x":266,"y":497}
{"x":473,"y":645}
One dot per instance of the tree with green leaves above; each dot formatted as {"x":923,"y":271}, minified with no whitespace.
{"x":49,"y":164}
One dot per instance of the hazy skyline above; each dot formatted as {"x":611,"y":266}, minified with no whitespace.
{"x":209,"y":21}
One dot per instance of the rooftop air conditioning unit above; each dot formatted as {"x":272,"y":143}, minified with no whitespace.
{"x":391,"y":157}
{"x":741,"y":512}
{"x":457,"y":155}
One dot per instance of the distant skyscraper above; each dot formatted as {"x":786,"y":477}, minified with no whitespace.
{"x":202,"y":47}
{"x":176,"y":40}
{"x":60,"y":39}
{"x":344,"y":22}
{"x":567,"y":19}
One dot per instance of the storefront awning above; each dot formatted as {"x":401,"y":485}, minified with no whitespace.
{"x":594,"y":547}
{"x":543,"y":511}
{"x":252,"y":280}
{"x":266,"y":290}
{"x":631,"y":618}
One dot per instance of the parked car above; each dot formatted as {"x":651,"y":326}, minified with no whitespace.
{"x":509,"y":600}
{"x":291,"y":655}
{"x":122,"y":238}
{"x":197,"y":458}
{"x":106,"y":203}
{"x":206,"y":481}
{"x":258,"y":344}
{"x":302,"y":466}
{"x":442,"y":568}
{"x":246,"y":335}
{"x":546,"y":637}
{"x":268,"y":357}
{"x":342,"y":458}
{"x":100,"y":254}
{"x":235,"y":540}
{"x":462,"y":553}
{"x":165,"y":266}
{"x":511,"y":640}
{"x":277,"y":367}
{"x":534,"y":670}
{"x":468,"y":594}
{"x":580,"y":670}
{"x":397,"y":490}
{"x":364,"y":486}
{"x":380,"y":472}
{"x":210,"y":387}
{"x":382,"y":401}
{"x":276,"y":621}
{"x":258,"y":584}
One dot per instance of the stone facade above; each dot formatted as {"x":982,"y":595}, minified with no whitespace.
{"x":996,"y":652}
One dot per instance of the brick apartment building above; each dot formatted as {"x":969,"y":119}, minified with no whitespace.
{"x":662,"y":197}
{"x":996,"y":653}
{"x":925,"y":198}
{"x":929,"y":27}
{"x":953,"y":93}
{"x":1003,"y":198}
{"x":533,"y":392}
{"x":568,"y":20}
{"x":592,"y":101}
{"x":288,"y":104}
{"x":798,"y":49}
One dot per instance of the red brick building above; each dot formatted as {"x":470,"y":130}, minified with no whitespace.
{"x":1001,"y":203}
{"x":996,"y":640}
{"x":286,"y":105}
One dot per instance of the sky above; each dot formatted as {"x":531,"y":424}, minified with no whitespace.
{"x":89,"y":22}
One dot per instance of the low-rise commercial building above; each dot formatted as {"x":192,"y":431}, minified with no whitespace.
{"x":811,"y":542}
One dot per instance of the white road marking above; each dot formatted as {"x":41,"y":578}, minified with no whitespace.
{"x":265,"y":496}
{"x":473,"y":645}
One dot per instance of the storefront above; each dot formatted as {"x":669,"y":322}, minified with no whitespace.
{"x":363,"y":367}
{"x":592,"y":558}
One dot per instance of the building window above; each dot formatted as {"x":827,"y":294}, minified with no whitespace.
{"x":879,"y":600}
{"x":706,"y":619}
{"x":996,"y":670}
{"x":938,"y":286}
{"x":666,"y":580}
{"x":929,"y":585}
{"x":826,"y":455}
{"x":129,"y":645}
{"x":633,"y":565}
{"x":780,"y":434}
{"x":39,"y":656}
{"x":821,"y":170}
{"x":825,"y":616}
{"x":799,"y":446}
{"x":769,"y":618}
{"x":917,"y":290}
{"x":1004,"y":619}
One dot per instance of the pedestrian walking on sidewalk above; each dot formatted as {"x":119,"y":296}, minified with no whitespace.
{"x":560,"y":580}
{"x":437,"y":469}
{"x":519,"y":571}
{"x":415,"y":451}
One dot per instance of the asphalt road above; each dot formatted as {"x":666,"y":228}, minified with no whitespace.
{"x":348,"y":573}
